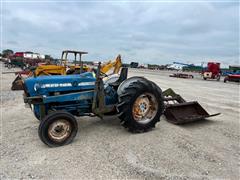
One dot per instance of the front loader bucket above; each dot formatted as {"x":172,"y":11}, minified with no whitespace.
{"x":186,"y":112}
{"x":178,"y":111}
{"x":17,"y":84}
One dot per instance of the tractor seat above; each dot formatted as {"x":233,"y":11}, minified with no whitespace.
{"x":122,"y":77}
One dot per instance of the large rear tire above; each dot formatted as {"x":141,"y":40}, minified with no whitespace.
{"x":140,"y":105}
{"x":58,"y":128}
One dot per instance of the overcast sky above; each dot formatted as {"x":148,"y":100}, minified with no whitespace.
{"x":148,"y":32}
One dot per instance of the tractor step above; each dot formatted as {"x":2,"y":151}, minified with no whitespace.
{"x":178,"y":111}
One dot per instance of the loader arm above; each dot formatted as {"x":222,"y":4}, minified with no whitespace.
{"x":115,"y":65}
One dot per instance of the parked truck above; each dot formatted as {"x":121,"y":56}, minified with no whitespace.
{"x":212,"y":71}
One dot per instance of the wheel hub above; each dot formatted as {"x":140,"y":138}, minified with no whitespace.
{"x":59,"y":130}
{"x":145,"y":108}
{"x":143,"y":105}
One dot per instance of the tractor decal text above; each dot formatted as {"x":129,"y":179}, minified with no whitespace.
{"x":66,"y":84}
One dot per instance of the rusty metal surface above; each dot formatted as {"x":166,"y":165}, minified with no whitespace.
{"x":17,"y":84}
{"x":145,"y":108}
{"x":186,"y":112}
{"x":170,"y":97}
{"x":178,"y":111}
{"x":59,"y":130}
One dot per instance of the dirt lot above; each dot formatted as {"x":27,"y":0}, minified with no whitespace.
{"x":103,"y":149}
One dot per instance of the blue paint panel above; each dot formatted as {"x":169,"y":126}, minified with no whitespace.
{"x":44,"y":85}
{"x":79,"y":96}
{"x":76,"y":93}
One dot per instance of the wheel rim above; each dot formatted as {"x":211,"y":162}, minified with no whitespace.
{"x":145,"y":108}
{"x":59,"y":130}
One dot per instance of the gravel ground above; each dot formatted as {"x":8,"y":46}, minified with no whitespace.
{"x":103,"y":149}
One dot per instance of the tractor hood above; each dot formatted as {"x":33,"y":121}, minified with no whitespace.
{"x":45,"y":85}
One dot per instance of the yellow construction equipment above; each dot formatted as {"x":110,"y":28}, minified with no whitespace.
{"x":65,"y":68}
{"x":115,"y":65}
{"x":77,"y":67}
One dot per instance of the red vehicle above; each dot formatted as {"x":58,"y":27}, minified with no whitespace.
{"x":25,"y":59}
{"x":212,"y":71}
{"x":232,"y":77}
{"x":19,"y":54}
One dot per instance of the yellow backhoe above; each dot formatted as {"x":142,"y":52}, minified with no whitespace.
{"x":65,"y":68}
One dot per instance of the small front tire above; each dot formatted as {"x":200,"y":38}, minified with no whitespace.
{"x":57,"y":129}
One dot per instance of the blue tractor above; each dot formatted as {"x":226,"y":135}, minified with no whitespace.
{"x":56,"y":100}
{"x":138,"y":102}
